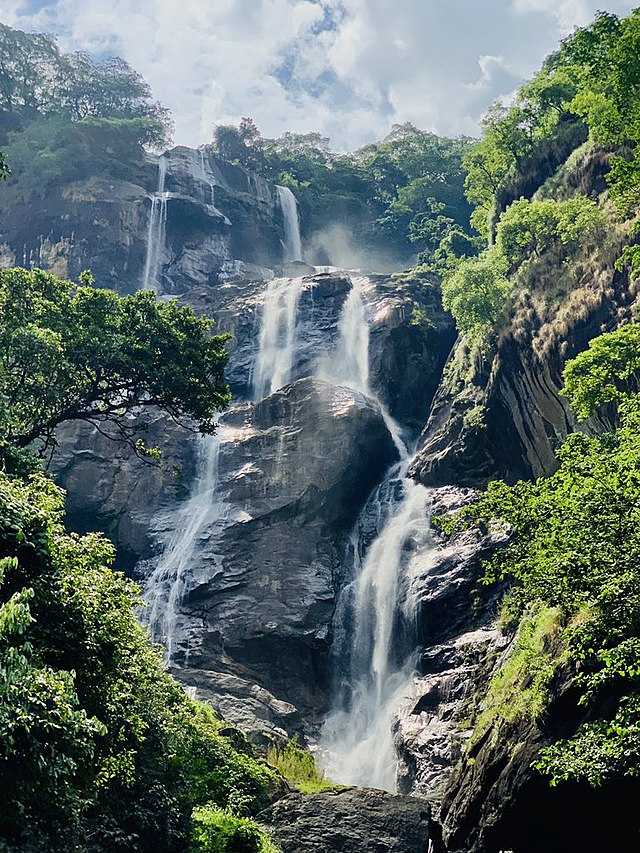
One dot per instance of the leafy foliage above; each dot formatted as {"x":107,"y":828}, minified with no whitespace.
{"x":298,"y":766}
{"x":389,"y":192}
{"x":475,"y":293}
{"x":99,"y":743}
{"x":80,"y":353}
{"x":606,"y":372}
{"x":36,"y":78}
{"x":529,"y":228}
{"x":219,"y":831}
{"x":575,"y":547}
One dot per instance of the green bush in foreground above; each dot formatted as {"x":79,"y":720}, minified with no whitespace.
{"x":219,"y":831}
{"x":100,"y":749}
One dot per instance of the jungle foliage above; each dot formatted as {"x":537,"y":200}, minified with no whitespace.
{"x":575,"y":548}
{"x":400,"y":196}
{"x":593,"y":81}
{"x":77,"y":352}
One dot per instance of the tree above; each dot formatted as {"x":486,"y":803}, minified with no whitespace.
{"x":475,"y":293}
{"x":100,"y":749}
{"x":75,"y":352}
{"x":529,"y":228}
{"x":37,"y":79}
{"x":5,"y":171}
{"x":606,"y":372}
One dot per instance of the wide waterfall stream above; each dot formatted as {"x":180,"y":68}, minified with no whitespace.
{"x":374,"y":623}
{"x":372,"y":646}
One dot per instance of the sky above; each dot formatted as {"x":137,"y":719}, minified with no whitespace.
{"x":347,"y":68}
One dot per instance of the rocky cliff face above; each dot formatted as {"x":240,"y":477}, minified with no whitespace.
{"x":217,"y":222}
{"x":247,"y":600}
{"x":498,"y":412}
{"x":241,"y":542}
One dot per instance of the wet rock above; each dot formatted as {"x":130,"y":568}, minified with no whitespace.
{"x":295,"y":468}
{"x":458,"y":646}
{"x":100,"y":221}
{"x":349,"y":821}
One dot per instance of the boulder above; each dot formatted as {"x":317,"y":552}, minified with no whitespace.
{"x":349,"y":821}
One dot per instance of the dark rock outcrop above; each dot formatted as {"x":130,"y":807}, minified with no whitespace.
{"x":497,"y":801}
{"x":349,"y":821}
{"x":257,"y":599}
{"x":100,"y":219}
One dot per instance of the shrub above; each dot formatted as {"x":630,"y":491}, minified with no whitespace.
{"x":298,"y":766}
{"x":218,"y":831}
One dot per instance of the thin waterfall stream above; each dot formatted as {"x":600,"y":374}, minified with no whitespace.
{"x":277,"y":341}
{"x":201,"y":515}
{"x":156,"y":232}
{"x":292,"y":239}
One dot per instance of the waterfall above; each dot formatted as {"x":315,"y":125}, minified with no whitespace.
{"x":208,"y":179}
{"x":156,"y":232}
{"x":373,"y":635}
{"x":292,"y":241}
{"x":372,"y":648}
{"x":194,"y":523}
{"x":348,"y":364}
{"x":276,"y":348}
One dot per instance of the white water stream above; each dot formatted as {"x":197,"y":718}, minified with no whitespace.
{"x":277,"y":342}
{"x":156,"y":232}
{"x":208,"y":179}
{"x":375,"y":615}
{"x":196,"y":522}
{"x":292,"y":241}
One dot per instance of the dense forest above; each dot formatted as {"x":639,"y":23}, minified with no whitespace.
{"x":100,"y":748}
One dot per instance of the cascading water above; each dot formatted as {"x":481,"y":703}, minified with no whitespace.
{"x":374,"y":616}
{"x":373,"y":646}
{"x":208,"y":180}
{"x":277,"y":343}
{"x":292,"y":240}
{"x":156,"y":232}
{"x":348,"y":364}
{"x":197,"y":521}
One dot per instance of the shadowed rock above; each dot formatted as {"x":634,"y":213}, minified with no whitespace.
{"x":349,"y":821}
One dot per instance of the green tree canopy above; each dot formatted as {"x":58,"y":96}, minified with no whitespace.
{"x":529,"y":228}
{"x":101,"y":750}
{"x":475,"y":293}
{"x":75,"y":352}
{"x":38,"y":79}
{"x":606,"y":372}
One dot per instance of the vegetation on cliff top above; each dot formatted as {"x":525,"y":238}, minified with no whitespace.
{"x":591,"y":82}
{"x":397,"y":197}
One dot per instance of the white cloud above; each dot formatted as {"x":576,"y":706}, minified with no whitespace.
{"x":348,"y":68}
